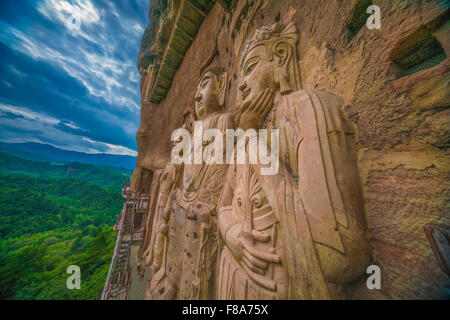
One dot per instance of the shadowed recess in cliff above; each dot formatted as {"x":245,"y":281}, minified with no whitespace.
{"x":419,"y":51}
{"x":359,"y":17}
{"x":422,"y":49}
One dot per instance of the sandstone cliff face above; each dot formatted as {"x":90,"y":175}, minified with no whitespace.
{"x":396,"y":94}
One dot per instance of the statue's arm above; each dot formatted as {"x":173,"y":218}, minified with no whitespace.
{"x":230,"y":224}
{"x":341,"y":244}
{"x":225,"y":213}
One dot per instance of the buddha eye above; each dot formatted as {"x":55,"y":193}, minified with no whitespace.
{"x":250,"y":68}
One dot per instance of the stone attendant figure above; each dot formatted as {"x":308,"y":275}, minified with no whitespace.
{"x":156,"y":254}
{"x":300,"y":233}
{"x":192,"y":245}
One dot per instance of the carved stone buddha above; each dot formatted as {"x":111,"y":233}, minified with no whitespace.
{"x":301,"y":233}
{"x":189,"y":222}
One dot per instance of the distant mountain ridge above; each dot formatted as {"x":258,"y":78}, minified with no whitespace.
{"x":48,"y":152}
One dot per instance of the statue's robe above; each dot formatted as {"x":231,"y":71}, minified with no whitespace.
{"x":145,"y":251}
{"x":156,"y":232}
{"x":192,"y":245}
{"x":316,"y":201}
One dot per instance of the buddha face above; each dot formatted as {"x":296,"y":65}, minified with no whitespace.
{"x":207,"y":96}
{"x":257,"y":75}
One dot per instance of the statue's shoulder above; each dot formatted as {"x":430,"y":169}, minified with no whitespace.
{"x":226,"y":116}
{"x":324,"y":102}
{"x":227,"y":119}
{"x":325,"y":98}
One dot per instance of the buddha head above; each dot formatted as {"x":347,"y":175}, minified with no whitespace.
{"x":210,"y":94}
{"x":270,"y":61}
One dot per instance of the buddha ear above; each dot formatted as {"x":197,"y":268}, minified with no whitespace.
{"x":282,"y":52}
{"x":222,"y":84}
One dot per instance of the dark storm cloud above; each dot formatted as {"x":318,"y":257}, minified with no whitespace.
{"x":76,"y":88}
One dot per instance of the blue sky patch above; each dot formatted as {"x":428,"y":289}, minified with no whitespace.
{"x":68,"y":75}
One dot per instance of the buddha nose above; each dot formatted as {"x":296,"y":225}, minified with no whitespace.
{"x":198,"y":97}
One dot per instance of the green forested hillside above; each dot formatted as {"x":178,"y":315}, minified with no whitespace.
{"x":52,"y":218}
{"x":33,"y":204}
{"x":34,"y":266}
{"x":105,"y":177}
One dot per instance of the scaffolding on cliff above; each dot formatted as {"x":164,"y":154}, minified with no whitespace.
{"x":130,"y":226}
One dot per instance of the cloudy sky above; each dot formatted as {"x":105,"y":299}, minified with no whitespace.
{"x":68,"y":73}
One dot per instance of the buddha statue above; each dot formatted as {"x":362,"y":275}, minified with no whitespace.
{"x":300,"y":233}
{"x":190,"y":245}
